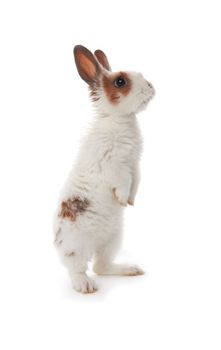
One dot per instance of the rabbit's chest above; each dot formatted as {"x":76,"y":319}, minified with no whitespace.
{"x":128,"y":147}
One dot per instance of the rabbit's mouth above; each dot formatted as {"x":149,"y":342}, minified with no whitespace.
{"x":146,"y":100}
{"x":148,"y":96}
{"x":143,"y":105}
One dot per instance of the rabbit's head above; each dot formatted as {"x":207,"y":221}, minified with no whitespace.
{"x":120,"y":93}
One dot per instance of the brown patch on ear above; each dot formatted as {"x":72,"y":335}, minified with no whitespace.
{"x":113,"y":92}
{"x":72,"y":207}
{"x":87,"y":66}
{"x":102,"y":58}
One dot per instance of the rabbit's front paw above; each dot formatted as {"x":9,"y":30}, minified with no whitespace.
{"x":121,"y":196}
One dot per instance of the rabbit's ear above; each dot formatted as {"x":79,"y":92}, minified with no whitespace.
{"x":102,"y":58}
{"x":87,"y":65}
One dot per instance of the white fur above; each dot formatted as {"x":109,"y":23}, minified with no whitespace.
{"x":108,"y":159}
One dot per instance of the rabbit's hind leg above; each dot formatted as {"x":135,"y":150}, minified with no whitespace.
{"x":75,"y":255}
{"x":104,"y":261}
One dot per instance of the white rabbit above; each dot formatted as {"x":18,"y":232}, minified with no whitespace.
{"x":105,"y":178}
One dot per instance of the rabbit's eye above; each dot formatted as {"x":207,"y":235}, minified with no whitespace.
{"x":120,"y":82}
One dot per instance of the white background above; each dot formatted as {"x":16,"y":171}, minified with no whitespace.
{"x":174,"y":229}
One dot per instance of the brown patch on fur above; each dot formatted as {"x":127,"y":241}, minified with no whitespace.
{"x":130,"y":202}
{"x":70,"y":254}
{"x":113,"y":92}
{"x":72,"y":207}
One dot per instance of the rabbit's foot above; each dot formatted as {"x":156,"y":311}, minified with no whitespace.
{"x":84,"y":284}
{"x":118,"y":269}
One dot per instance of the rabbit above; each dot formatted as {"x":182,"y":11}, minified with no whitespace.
{"x":105,"y":176}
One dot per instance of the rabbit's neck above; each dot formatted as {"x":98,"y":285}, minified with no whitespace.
{"x":115,"y":122}
{"x":111,"y":128}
